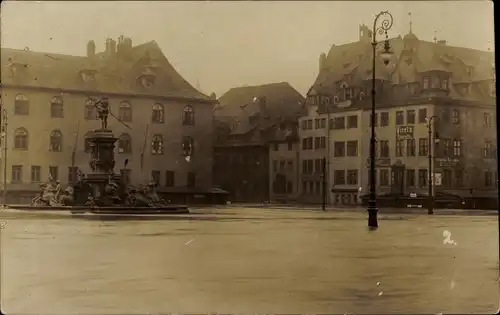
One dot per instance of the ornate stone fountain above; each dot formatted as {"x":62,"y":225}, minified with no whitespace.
{"x":101,"y":190}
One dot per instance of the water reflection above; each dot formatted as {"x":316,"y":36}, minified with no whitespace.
{"x":251,"y":261}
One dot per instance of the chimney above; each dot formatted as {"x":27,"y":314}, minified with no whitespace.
{"x":110,"y":47}
{"x":213,"y":96}
{"x":441,"y":42}
{"x":364,"y":33}
{"x":262,"y":103}
{"x":119,"y":47}
{"x":91,"y":49}
{"x":322,"y":61}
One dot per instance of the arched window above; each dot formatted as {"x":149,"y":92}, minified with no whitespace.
{"x":157,"y":145}
{"x":188,"y":116}
{"x":158,"y":114}
{"x":90,"y":110}
{"x":125,"y":143}
{"x":55,"y":144}
{"x":125,"y":111}
{"x":56,"y":107}
{"x":21,"y":139}
{"x":21,"y":105}
{"x":335,"y":99}
{"x":187,"y":146}
{"x":361,"y":95}
{"x":86,"y":144}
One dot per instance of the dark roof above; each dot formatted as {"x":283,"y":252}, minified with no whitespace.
{"x":113,"y":75}
{"x":281,"y":100}
{"x":351,"y":63}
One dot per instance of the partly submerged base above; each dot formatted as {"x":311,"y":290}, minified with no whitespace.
{"x":110,"y":213}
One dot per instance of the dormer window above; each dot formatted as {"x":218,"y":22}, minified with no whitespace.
{"x":426,"y":83}
{"x":88,"y":75}
{"x":335,"y":99}
{"x":361,"y":95}
{"x":444,"y":84}
{"x":470,"y":71}
{"x":147,"y":81}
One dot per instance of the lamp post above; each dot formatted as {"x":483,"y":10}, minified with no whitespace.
{"x":324,"y":184}
{"x":385,"y":25}
{"x":430,"y":122}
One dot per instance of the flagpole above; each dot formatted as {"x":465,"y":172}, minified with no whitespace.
{"x":4,"y":143}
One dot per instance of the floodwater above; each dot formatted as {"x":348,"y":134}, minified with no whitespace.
{"x":251,"y":261}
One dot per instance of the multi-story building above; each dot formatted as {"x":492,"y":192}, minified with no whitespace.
{"x":248,"y":119}
{"x":284,"y":168}
{"x":424,"y":79}
{"x":158,"y":117}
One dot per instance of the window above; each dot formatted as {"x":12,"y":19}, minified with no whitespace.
{"x":36,"y":173}
{"x":457,"y":147}
{"x":169,"y":178}
{"x":347,"y":93}
{"x":488,"y":150}
{"x":55,"y":144}
{"x":384,"y":119}
{"x":188,"y":116}
{"x":339,"y":148}
{"x":410,"y":178}
{"x":447,"y":180}
{"x":125,"y":112}
{"x":307,"y":166}
{"x":400,"y":148}
{"x":320,"y":142}
{"x":459,"y":178}
{"x":339,"y":123}
{"x":320,"y":123}
{"x":339,"y":177}
{"x":155,"y":176}
{"x":157,"y":145}
{"x":352,"y":148}
{"x":423,"y":147}
{"x":384,"y":148}
{"x":276,"y":147}
{"x":56,"y":107}
{"x":376,"y":120}
{"x":426,"y":83}
{"x":125,"y":143}
{"x":290,"y":146}
{"x":444,"y":84}
{"x":21,"y":139}
{"x":54,"y":172}
{"x":90,"y":110}
{"x":445,"y":115}
{"x":21,"y":105}
{"x":17,"y":174}
{"x":488,"y":179}
{"x":384,"y":177}
{"x":447,"y":148}
{"x":400,"y":118}
{"x":187,"y":146}
{"x":352,"y":121}
{"x":352,"y":177}
{"x":422,"y":115}
{"x":191,"y":179}
{"x":87,"y":144}
{"x":410,"y":147}
{"x":307,"y":143}
{"x":361,"y":95}
{"x":422,"y":178}
{"x":318,"y":166}
{"x":289,"y":165}
{"x":72,"y":174}
{"x":487,"y":119}
{"x":410,"y":117}
{"x":455,"y":117}
{"x":158,"y":114}
{"x":282,"y":165}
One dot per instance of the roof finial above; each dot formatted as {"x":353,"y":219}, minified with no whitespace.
{"x":435,"y":36}
{"x":198,"y":87}
{"x":409,"y":15}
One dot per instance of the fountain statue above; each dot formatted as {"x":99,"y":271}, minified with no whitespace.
{"x":101,"y":190}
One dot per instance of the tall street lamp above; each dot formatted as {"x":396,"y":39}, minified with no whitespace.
{"x":430,"y":121}
{"x":385,"y":25}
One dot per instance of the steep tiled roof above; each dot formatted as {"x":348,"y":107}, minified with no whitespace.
{"x":112,"y":74}
{"x":281,"y":100}
{"x":352,"y":63}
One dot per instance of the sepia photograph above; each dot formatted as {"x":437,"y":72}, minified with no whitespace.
{"x":248,"y":157}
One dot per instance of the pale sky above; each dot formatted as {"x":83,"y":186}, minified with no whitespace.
{"x":229,"y":44}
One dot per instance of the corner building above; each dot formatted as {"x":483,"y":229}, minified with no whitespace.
{"x":425,"y":79}
{"x":158,"y":117}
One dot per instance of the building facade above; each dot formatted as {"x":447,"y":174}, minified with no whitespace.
{"x":158,"y":117}
{"x":248,"y":119}
{"x":453,"y":85}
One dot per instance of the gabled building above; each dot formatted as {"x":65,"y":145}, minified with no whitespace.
{"x":247,"y":119}
{"x":157,"y":115}
{"x":424,"y":79}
